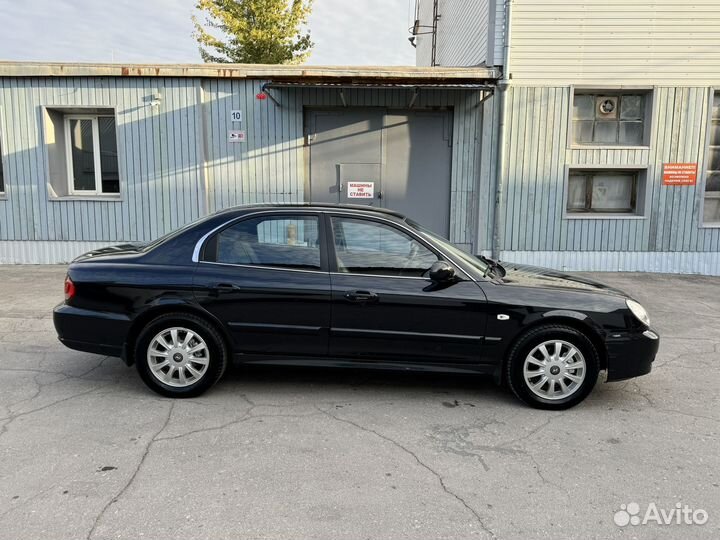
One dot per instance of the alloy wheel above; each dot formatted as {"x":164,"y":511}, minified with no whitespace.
{"x":178,"y":357}
{"x":554,"y":369}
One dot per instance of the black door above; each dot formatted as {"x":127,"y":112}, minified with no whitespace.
{"x":385,"y":308}
{"x":266,"y":279}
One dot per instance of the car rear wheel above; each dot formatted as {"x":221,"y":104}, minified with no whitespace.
{"x":180,"y":355}
{"x":553,"y":367}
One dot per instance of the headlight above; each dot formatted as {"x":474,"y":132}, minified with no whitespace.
{"x":638,"y":311}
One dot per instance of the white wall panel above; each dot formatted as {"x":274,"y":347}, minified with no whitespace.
{"x":616,"y":41}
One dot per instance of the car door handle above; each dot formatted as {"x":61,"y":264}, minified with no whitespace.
{"x":361,"y":296}
{"x":225,"y":287}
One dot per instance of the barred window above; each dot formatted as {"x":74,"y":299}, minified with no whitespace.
{"x":609,"y":119}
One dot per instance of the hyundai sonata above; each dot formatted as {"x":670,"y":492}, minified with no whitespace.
{"x":346,"y":286}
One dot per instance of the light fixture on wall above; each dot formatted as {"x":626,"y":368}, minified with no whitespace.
{"x":419,"y":29}
{"x":154,"y":99}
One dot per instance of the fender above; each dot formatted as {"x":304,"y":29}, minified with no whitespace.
{"x":560,"y":316}
{"x":167,"y":303}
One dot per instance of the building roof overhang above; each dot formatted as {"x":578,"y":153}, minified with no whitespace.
{"x":280,"y":75}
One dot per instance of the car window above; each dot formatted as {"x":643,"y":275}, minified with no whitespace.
{"x":281,"y":241}
{"x":476,"y":264}
{"x":369,"y":247}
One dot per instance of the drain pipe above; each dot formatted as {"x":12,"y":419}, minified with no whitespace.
{"x":501,"y":132}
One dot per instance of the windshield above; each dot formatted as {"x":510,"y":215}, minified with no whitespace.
{"x":468,"y":259}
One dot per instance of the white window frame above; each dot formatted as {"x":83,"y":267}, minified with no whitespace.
{"x":642,"y":198}
{"x":705,"y":164}
{"x":96,"y":155}
{"x":648,"y":91}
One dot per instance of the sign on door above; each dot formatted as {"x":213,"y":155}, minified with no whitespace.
{"x":360,"y":190}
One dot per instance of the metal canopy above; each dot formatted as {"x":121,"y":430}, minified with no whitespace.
{"x":415,"y":87}
{"x":379,"y":85}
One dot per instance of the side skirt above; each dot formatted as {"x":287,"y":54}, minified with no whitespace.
{"x":354,"y":364}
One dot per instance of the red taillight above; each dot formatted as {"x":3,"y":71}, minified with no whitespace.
{"x":69,"y":288}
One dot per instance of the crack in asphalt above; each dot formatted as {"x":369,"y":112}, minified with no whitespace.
{"x":424,"y":465}
{"x":534,"y":431}
{"x":81,"y":376}
{"x":456,"y":440}
{"x":247,"y":416}
{"x":12,"y":417}
{"x":134,"y":474}
{"x":156,"y":438}
{"x":540,"y":474}
{"x":677,"y":357}
{"x":691,"y":415}
{"x":29,"y":499}
{"x":40,"y":386}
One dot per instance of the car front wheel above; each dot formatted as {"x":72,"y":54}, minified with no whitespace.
{"x":179,"y":355}
{"x":553,"y":367}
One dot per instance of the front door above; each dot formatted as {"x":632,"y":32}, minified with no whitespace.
{"x":384,"y":307}
{"x":264,"y":277}
{"x":346,"y":156}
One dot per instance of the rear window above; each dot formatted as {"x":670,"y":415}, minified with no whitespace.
{"x":173,"y":234}
{"x":276,"y":241}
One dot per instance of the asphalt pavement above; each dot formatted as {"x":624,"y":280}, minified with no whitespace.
{"x":86,"y":451}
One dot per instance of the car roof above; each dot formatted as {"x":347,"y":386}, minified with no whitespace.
{"x":314,"y":206}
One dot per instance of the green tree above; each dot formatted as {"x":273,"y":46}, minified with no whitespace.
{"x":254,"y":31}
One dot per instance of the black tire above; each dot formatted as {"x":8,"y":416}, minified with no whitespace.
{"x":217,"y":362}
{"x":525,"y":345}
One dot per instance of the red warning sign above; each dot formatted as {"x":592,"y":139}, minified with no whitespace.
{"x":680,"y":174}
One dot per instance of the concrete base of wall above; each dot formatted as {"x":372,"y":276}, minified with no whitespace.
{"x":44,"y":252}
{"x":706,"y":263}
{"x":57,"y":252}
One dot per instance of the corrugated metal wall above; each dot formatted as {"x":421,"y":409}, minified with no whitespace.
{"x":497,"y":35}
{"x":175,"y":160}
{"x":462,"y":37}
{"x":538,"y":154}
{"x":158,"y":160}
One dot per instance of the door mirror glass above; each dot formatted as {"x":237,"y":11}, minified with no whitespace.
{"x":442,"y":272}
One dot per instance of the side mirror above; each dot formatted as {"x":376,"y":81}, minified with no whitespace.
{"x":442,"y":272}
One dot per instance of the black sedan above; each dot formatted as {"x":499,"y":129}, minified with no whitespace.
{"x":345,"y":286}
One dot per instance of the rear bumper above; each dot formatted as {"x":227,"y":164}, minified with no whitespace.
{"x":91,"y":331}
{"x":631,"y":354}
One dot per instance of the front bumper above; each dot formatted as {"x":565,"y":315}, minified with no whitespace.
{"x":631,"y":354}
{"x":91,"y":331}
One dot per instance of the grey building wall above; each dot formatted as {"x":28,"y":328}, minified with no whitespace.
{"x":669,"y":237}
{"x":668,"y":49}
{"x":465,"y":33}
{"x":176,"y":163}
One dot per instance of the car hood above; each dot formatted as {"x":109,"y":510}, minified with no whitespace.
{"x":111,"y":251}
{"x":534,"y":276}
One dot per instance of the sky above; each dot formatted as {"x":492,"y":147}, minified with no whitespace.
{"x":345,"y":32}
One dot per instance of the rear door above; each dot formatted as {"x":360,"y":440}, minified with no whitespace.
{"x":265,"y":277}
{"x":384,"y":307}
